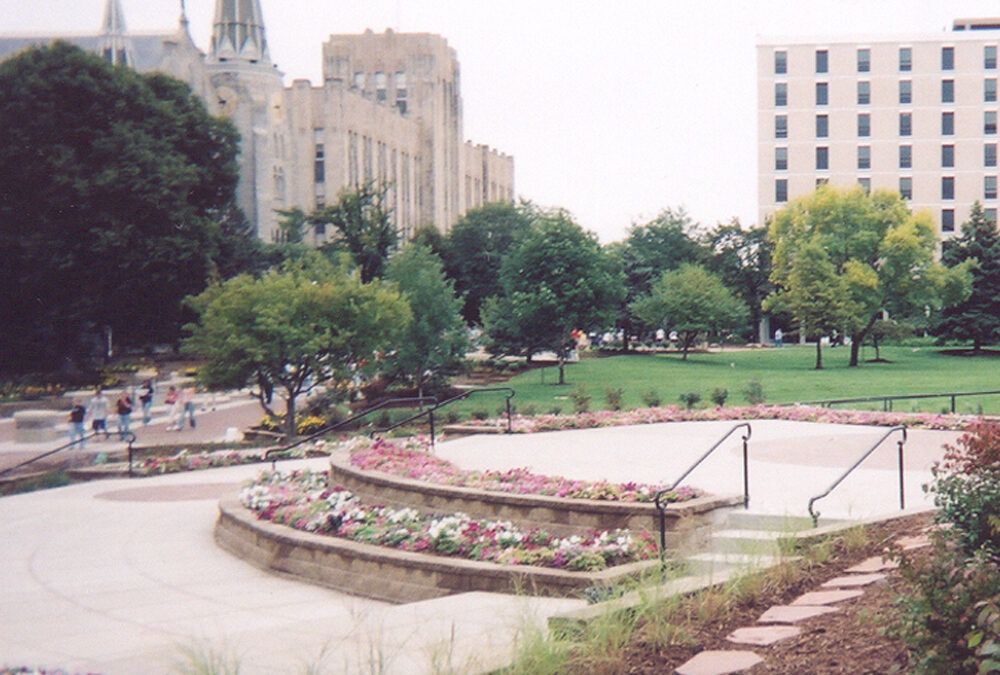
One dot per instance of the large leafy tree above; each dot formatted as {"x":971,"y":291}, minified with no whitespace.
{"x":436,"y":338}
{"x":692,"y":302}
{"x":557,"y":279}
{"x":742,"y":260}
{"x":365,"y":226}
{"x":111,"y":188}
{"x":881,"y":254}
{"x":977,"y":319}
{"x":294,"y":328}
{"x":475,"y":247}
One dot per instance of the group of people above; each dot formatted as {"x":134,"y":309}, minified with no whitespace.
{"x":181,"y":405}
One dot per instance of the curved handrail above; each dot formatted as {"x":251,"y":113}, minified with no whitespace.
{"x":429,"y":413}
{"x":746,"y":480}
{"x":902,"y":501}
{"x":419,"y":400}
{"x":93,"y":434}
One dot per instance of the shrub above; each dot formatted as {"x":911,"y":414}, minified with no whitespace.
{"x":451,"y":416}
{"x":480,"y":414}
{"x":690,"y":399}
{"x":719,"y":396}
{"x":581,"y":399}
{"x":614,"y":397}
{"x":754,"y":392}
{"x":652,"y":399}
{"x":528,"y":409}
{"x":309,"y":424}
{"x":555,"y":410}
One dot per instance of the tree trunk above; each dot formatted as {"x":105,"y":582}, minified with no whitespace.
{"x":562,"y":363}
{"x":290,"y":416}
{"x":819,"y":353}
{"x":858,"y":338}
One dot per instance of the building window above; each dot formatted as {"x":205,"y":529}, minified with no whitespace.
{"x":864,"y":60}
{"x":781,"y":126}
{"x":990,"y":215}
{"x":822,"y":126}
{"x":990,"y":90}
{"x":947,"y":220}
{"x":947,"y":187}
{"x":319,"y":164}
{"x":781,"y":159}
{"x":905,"y":59}
{"x":990,"y":154}
{"x":780,"y":94}
{"x":380,"y":86}
{"x":864,"y":93}
{"x":990,"y":57}
{"x":780,"y":62}
{"x":822,"y":95}
{"x":821,"y":61}
{"x":990,"y":122}
{"x":781,"y":190}
{"x":947,"y":91}
{"x":947,"y":58}
{"x":864,"y":157}
{"x":864,"y":124}
{"x":905,"y":156}
{"x":905,"y":91}
{"x":401,"y":91}
{"x":822,"y":158}
{"x":947,"y":156}
{"x":820,"y":182}
{"x":866,"y":184}
{"x":359,"y":81}
{"x":905,"y":124}
{"x":989,"y":187}
{"x":947,"y":124}
{"x":906,"y":187}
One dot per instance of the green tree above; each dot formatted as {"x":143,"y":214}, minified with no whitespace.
{"x":475,"y":247}
{"x":365,"y":225}
{"x":741,"y":258}
{"x":112,"y":186}
{"x":977,"y":319}
{"x":430,"y":236}
{"x":556,"y":280}
{"x":436,"y":337}
{"x":294,"y":328}
{"x":882,"y":254}
{"x":692,"y":302}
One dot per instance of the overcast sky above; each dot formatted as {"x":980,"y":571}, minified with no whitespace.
{"x":613,"y":110}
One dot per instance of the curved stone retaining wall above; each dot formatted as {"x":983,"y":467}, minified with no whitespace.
{"x":687,"y":523}
{"x":390,"y":574}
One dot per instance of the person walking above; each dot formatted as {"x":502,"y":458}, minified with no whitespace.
{"x":98,"y":411}
{"x":146,"y":399}
{"x":187,"y":399}
{"x":76,"y":417}
{"x":124,"y":415}
{"x":173,"y":399}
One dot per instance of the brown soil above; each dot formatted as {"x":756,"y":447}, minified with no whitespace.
{"x":851,"y":641}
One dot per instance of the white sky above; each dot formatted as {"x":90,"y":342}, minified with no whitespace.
{"x":612,"y":109}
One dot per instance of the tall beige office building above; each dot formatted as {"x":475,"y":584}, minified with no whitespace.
{"x":389,"y":110}
{"x":915,"y":114}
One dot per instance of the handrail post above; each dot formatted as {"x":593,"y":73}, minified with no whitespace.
{"x":746,"y":474}
{"x":509,"y":427}
{"x":131,"y":440}
{"x":430,"y":419}
{"x":902,"y":497}
{"x":952,"y":404}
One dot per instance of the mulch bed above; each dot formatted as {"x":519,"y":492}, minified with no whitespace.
{"x":850,"y":641}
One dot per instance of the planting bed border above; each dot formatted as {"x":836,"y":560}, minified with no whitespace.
{"x":390,"y":574}
{"x":687,"y":523}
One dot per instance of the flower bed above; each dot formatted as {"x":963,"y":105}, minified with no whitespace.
{"x":411,"y":458}
{"x":612,"y":418}
{"x":303,"y":501}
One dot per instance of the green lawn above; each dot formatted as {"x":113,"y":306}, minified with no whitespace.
{"x":787,"y":376}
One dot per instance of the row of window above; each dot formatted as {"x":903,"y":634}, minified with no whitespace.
{"x":864,"y":126}
{"x":380,"y":80}
{"x":905,"y":157}
{"x":864,"y":92}
{"x":864,"y":59}
{"x":905,"y":186}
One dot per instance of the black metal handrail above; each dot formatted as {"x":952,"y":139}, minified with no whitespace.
{"x":902,"y":498}
{"x":887,"y":400}
{"x":746,"y":481}
{"x":429,"y":413}
{"x":417,"y":400}
{"x":93,"y":434}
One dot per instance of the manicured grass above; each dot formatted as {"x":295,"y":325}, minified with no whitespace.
{"x":786,"y":375}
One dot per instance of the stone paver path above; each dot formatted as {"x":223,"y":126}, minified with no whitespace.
{"x":719,"y":663}
{"x":763,"y":635}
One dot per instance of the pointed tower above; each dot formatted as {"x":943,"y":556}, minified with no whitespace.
{"x":248,"y":89}
{"x":113,"y":43}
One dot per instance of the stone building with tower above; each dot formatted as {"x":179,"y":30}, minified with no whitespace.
{"x":389,"y":110}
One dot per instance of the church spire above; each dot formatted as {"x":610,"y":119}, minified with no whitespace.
{"x":114,"y":18}
{"x":113,"y":43}
{"x":238,"y":32}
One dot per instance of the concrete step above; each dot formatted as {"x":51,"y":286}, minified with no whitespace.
{"x":749,"y":542}
{"x":471,"y":429}
{"x":702,"y":563}
{"x":742,"y":520}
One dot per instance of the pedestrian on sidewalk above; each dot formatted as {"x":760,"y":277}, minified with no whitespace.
{"x":146,"y":399}
{"x":76,"y":417}
{"x":98,"y":411}
{"x":187,"y":398}
{"x":124,"y":415}
{"x":173,"y":399}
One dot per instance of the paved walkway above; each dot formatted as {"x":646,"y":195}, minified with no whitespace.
{"x":122,"y":576}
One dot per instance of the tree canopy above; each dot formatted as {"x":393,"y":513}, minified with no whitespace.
{"x":555,"y":280}
{"x":365,"y":225}
{"x":741,"y":258}
{"x":294,"y":328}
{"x":111,"y":188}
